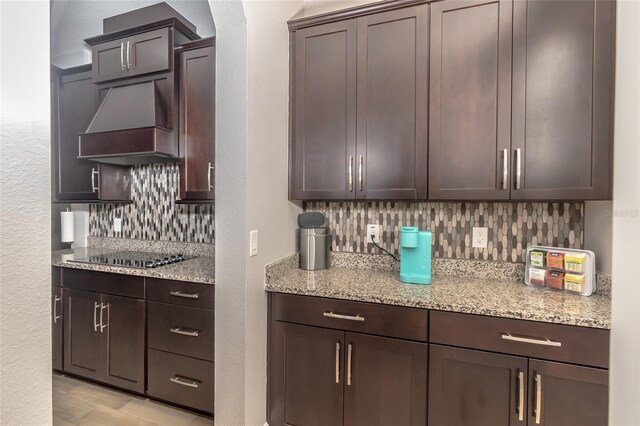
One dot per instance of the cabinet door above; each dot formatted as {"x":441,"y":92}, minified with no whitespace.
{"x":123,"y":325}
{"x":307,"y":373}
{"x":385,"y":381}
{"x":82,"y":337}
{"x":113,"y":182}
{"x":57,"y":318}
{"x":197,"y":124}
{"x":470,"y":100}
{"x":563,"y":59}
{"x":567,"y":395}
{"x":392,"y":105}
{"x":109,"y":60}
{"x":150,"y":52}
{"x":75,"y":101}
{"x":323,"y":144}
{"x":468,"y":387}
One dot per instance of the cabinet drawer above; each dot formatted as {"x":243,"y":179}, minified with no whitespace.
{"x":180,"y":293}
{"x":579,"y":345}
{"x":180,"y":329}
{"x":104,"y":282}
{"x":192,"y":384}
{"x":370,"y":318}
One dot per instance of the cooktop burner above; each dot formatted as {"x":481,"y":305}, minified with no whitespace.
{"x":134,"y":259}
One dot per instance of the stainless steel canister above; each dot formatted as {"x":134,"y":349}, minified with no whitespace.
{"x":314,"y":248}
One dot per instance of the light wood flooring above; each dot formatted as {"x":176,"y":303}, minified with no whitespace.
{"x":76,"y":402}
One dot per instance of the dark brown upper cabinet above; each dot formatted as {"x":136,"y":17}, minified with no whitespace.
{"x":470,"y":100}
{"x":197,"y":121}
{"x":138,"y":54}
{"x":75,"y":100}
{"x":391,"y":108}
{"x":562,"y":132}
{"x":364,"y":77}
{"x":323,"y":146}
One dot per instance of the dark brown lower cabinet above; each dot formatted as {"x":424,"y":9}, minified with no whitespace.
{"x":468,"y":387}
{"x":57,"y":308}
{"x":567,"y":395}
{"x":471,"y":387}
{"x":329,"y":377}
{"x":104,"y":338}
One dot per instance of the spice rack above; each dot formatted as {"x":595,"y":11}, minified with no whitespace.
{"x":570,"y":270}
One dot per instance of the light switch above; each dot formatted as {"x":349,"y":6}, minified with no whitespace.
{"x":117,"y":224}
{"x":253,"y":243}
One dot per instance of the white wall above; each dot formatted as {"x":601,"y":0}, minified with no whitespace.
{"x":598,"y":232}
{"x":25,"y":333}
{"x":625,"y":327}
{"x":268,"y":209}
{"x":625,"y":322}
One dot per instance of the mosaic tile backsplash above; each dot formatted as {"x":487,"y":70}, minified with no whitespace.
{"x":511,"y":226}
{"x":154,"y":214}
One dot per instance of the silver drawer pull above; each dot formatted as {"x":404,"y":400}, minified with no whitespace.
{"x":544,"y":342}
{"x":185,"y":295}
{"x":178,"y":330}
{"x":345,"y":317}
{"x":185,"y":381}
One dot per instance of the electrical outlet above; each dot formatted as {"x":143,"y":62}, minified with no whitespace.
{"x":117,"y":224}
{"x":480,"y":236}
{"x":373,"y":229}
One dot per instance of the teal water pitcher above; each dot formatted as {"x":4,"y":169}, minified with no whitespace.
{"x":415,"y":255}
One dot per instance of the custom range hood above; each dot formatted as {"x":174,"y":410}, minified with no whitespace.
{"x":131,"y":126}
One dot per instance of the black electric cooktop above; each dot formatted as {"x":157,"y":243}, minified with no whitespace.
{"x":134,"y":259}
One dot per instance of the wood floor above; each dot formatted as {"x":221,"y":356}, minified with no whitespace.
{"x":81,"y":403}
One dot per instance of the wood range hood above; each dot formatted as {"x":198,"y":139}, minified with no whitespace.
{"x":130,"y":127}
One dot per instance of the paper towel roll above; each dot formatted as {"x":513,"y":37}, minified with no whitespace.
{"x":66,"y":227}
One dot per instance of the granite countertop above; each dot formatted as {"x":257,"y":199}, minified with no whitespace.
{"x":198,"y":270}
{"x":471,"y":294}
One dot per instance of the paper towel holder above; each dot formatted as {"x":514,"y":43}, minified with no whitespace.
{"x":67,"y":226}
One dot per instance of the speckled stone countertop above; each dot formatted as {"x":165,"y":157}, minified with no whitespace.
{"x":470,"y":293}
{"x":198,"y":270}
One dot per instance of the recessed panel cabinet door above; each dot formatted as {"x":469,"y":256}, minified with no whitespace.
{"x":468,"y":388}
{"x":392,"y":104}
{"x":75,"y":101}
{"x":385,"y":382}
{"x":323,"y":151}
{"x":470,"y":100}
{"x":123,"y":328}
{"x":307,"y":374}
{"x":82,"y":338}
{"x":57,"y":318}
{"x":197,"y":124}
{"x":563,"y":62}
{"x":567,"y":395}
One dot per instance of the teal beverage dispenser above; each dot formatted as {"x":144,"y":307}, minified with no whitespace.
{"x":415,"y":255}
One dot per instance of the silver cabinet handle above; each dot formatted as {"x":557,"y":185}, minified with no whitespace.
{"x":129,"y":55}
{"x":94,"y":172}
{"x":179,"y":330}
{"x":209,"y":176}
{"x":337,"y":362}
{"x":185,"y":382}
{"x":518,"y":167}
{"x":185,"y":295}
{"x":544,"y":342}
{"x":349,"y":351}
{"x":56,"y":317}
{"x":102,"y":308}
{"x":538,"y":409}
{"x":96,"y":305}
{"x":122,"y":66}
{"x":360,"y":172}
{"x":520,"y":396}
{"x":505,"y":168}
{"x":342,"y":316}
{"x":350,"y":173}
